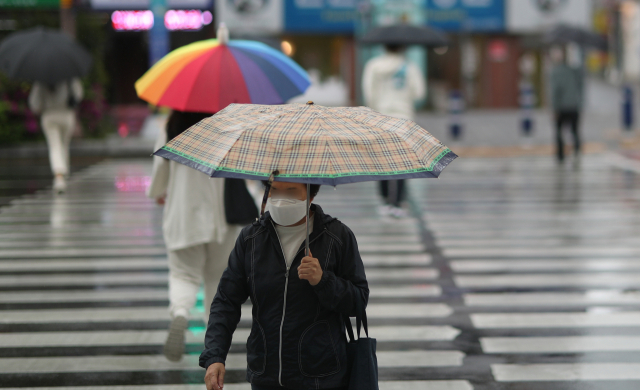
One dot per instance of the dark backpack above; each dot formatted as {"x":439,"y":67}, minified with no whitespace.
{"x":239,"y":206}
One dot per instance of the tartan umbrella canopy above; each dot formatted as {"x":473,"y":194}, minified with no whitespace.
{"x":310,"y":144}
{"x":307,"y":143}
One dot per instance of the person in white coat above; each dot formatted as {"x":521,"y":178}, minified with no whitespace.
{"x":56,"y":104}
{"x":196,"y":233}
{"x":391,"y":85}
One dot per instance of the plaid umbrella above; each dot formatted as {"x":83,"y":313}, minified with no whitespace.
{"x":307,"y":143}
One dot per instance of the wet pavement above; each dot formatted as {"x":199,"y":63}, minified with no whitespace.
{"x":513,"y":274}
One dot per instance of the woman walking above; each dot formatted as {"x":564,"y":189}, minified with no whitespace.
{"x":57,"y":104}
{"x":297,"y":338}
{"x":196,"y":232}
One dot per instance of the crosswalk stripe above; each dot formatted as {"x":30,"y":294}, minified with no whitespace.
{"x":588,"y":298}
{"x":235,"y":361}
{"x":527,"y":242}
{"x":602,"y":264}
{"x":573,"y":344}
{"x":80,"y":252}
{"x":411,"y":291}
{"x":576,"y":250}
{"x":399,"y":310}
{"x":130,"y":338}
{"x":384,"y":385}
{"x":142,"y":278}
{"x":555,"y":320}
{"x":545,"y":280}
{"x":566,"y":372}
{"x":160,"y":262}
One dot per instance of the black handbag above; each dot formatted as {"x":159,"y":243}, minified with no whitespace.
{"x":361,"y":354}
{"x":239,"y":206}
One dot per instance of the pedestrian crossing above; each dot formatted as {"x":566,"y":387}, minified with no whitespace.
{"x":542,"y":263}
{"x":83,"y":292}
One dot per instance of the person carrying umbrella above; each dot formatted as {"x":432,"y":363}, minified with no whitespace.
{"x":567,"y":90}
{"x":56,"y":105}
{"x":300,"y":267}
{"x":391,"y":84}
{"x":202,"y":216}
{"x":54,"y":62}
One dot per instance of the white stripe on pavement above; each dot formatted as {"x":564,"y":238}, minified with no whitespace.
{"x":547,"y":280}
{"x":235,"y":361}
{"x":141,"y":278}
{"x":159,"y":262}
{"x":565,"y":372}
{"x":383,"y":385}
{"x":604,"y":264}
{"x":157,"y":337}
{"x":571,"y":344}
{"x":576,"y":250}
{"x":591,"y":297}
{"x":554,"y":320}
{"x":417,"y":310}
{"x":415,"y":291}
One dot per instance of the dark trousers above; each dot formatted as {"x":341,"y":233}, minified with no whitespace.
{"x":571,"y":118}
{"x":254,"y":387}
{"x":392,"y":191}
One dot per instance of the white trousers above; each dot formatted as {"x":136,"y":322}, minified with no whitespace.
{"x":191,"y":266}
{"x":58,"y":127}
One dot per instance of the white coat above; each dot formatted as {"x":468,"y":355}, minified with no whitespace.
{"x":194,"y":208}
{"x":43,"y":100}
{"x":391,"y":85}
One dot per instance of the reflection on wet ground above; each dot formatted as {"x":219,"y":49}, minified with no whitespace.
{"x":515,"y":274}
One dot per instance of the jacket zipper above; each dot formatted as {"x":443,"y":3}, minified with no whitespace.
{"x":284,"y":306}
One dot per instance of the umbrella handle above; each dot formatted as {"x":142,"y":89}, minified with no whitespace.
{"x":267,"y":189}
{"x":306,"y":242}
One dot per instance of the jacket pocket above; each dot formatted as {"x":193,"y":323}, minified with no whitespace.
{"x":317,"y":354}
{"x":256,"y":349}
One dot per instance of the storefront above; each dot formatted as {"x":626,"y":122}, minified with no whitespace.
{"x":127,"y":51}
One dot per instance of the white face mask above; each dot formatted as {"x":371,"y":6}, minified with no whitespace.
{"x":286,"y":212}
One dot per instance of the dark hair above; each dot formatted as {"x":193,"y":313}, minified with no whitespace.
{"x":313,"y":188}
{"x":180,"y":121}
{"x":393,"y":48}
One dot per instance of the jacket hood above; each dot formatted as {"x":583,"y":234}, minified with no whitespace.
{"x":389,"y":63}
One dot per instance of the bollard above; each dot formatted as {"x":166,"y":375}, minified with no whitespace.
{"x":627,"y":108}
{"x":456,"y":107}
{"x":527,"y":102}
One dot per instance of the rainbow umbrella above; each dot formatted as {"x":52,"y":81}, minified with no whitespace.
{"x":207,"y":76}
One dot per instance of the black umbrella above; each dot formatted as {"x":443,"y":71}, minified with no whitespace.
{"x":43,"y":55}
{"x":567,"y":34}
{"x":404,"y":34}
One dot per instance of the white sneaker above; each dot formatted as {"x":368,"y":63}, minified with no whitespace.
{"x":398,"y":212}
{"x":174,"y":346}
{"x":59,"y":184}
{"x":384,"y":210}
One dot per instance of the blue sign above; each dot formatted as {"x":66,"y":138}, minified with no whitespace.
{"x":466,"y":15}
{"x":320,"y":16}
{"x":158,"y":35}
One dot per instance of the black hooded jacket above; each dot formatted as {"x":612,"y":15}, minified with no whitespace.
{"x":297,"y":335}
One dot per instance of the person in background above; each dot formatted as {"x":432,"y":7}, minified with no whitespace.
{"x":56,"y":104}
{"x":567,"y":90}
{"x":391,"y":85}
{"x":196,"y":233}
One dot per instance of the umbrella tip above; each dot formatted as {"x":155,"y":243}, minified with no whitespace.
{"x":310,"y":102}
{"x":222,"y":33}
